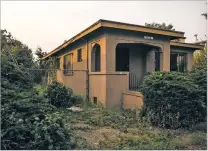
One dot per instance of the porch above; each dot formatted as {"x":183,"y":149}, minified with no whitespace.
{"x":139,"y":60}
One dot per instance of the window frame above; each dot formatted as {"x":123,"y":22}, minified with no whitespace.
{"x":58,"y":63}
{"x":69,"y":73}
{"x":184,"y":54}
{"x":96,"y":58}
{"x":158,"y":57}
{"x":79,"y":55}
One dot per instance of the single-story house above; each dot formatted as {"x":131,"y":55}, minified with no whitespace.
{"x":107,"y":61}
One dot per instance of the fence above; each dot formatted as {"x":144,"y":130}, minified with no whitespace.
{"x":133,"y":82}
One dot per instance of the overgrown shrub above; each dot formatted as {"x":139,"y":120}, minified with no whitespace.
{"x":59,"y":95}
{"x":27,"y":119}
{"x":199,"y":75}
{"x":26,"y":124}
{"x":77,"y":100}
{"x":172,"y":100}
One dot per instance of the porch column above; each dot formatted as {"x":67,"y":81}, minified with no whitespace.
{"x":189,"y":61}
{"x":166,"y":58}
{"x":111,"y":54}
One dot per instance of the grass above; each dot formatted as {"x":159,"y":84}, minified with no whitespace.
{"x":115,"y":129}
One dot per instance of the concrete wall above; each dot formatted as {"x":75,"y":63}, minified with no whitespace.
{"x":132,"y":100}
{"x":189,"y":56}
{"x":77,"y":81}
{"x":97,"y":87}
{"x":116,"y":84}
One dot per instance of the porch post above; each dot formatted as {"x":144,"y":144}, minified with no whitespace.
{"x":166,"y":58}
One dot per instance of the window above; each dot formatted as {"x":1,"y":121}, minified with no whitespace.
{"x":68,"y":64}
{"x":95,"y":58}
{"x":57,"y":63}
{"x":79,"y":55}
{"x":178,"y":62}
{"x":157,"y":60}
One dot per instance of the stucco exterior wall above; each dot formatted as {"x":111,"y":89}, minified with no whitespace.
{"x":115,"y":37}
{"x":116,"y":84}
{"x":132,"y":100}
{"x":97,"y":87}
{"x":189,"y":53}
{"x":77,"y":81}
{"x":102,"y":42}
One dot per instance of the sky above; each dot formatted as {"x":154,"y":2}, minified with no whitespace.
{"x":49,"y":23}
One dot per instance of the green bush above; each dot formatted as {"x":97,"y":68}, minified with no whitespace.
{"x":77,"y":100}
{"x":27,"y":124}
{"x":172,"y":100}
{"x":199,"y":75}
{"x":28,"y":121}
{"x":59,"y":95}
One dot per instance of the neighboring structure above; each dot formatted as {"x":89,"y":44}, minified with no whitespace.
{"x":202,"y":42}
{"x":118,"y":56}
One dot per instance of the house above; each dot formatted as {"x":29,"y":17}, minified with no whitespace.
{"x":107,"y":61}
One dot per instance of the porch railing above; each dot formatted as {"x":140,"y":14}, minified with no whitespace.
{"x":133,"y":82}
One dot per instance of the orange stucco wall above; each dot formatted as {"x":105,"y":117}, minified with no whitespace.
{"x":97,"y":87}
{"x":132,"y":100}
{"x":116,"y":84}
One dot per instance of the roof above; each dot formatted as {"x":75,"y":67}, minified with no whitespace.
{"x":117,"y":25}
{"x":203,"y":42}
{"x":187,"y":45}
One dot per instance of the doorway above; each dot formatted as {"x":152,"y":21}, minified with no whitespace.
{"x":122,"y":59}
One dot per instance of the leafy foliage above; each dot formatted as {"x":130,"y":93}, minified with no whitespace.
{"x":22,"y":54}
{"x":40,"y":53}
{"x":59,"y":95}
{"x":27,"y":118}
{"x":77,"y":100}
{"x":160,"y":26}
{"x":172,"y":100}
{"x":199,"y":75}
{"x":200,"y":58}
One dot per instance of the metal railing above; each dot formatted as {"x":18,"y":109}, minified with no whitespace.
{"x":133,"y":82}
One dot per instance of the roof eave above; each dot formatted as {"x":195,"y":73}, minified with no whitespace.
{"x":186,"y":45}
{"x":118,"y":25}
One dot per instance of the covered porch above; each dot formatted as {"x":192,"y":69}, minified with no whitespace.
{"x":138,"y":59}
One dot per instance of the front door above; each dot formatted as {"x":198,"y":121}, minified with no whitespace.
{"x":122,"y":59}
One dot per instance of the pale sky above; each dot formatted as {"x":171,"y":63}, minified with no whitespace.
{"x":47,"y":24}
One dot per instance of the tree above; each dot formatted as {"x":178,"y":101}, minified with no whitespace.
{"x":39,"y":52}
{"x":200,"y":58}
{"x":160,"y":26}
{"x":15,"y":48}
